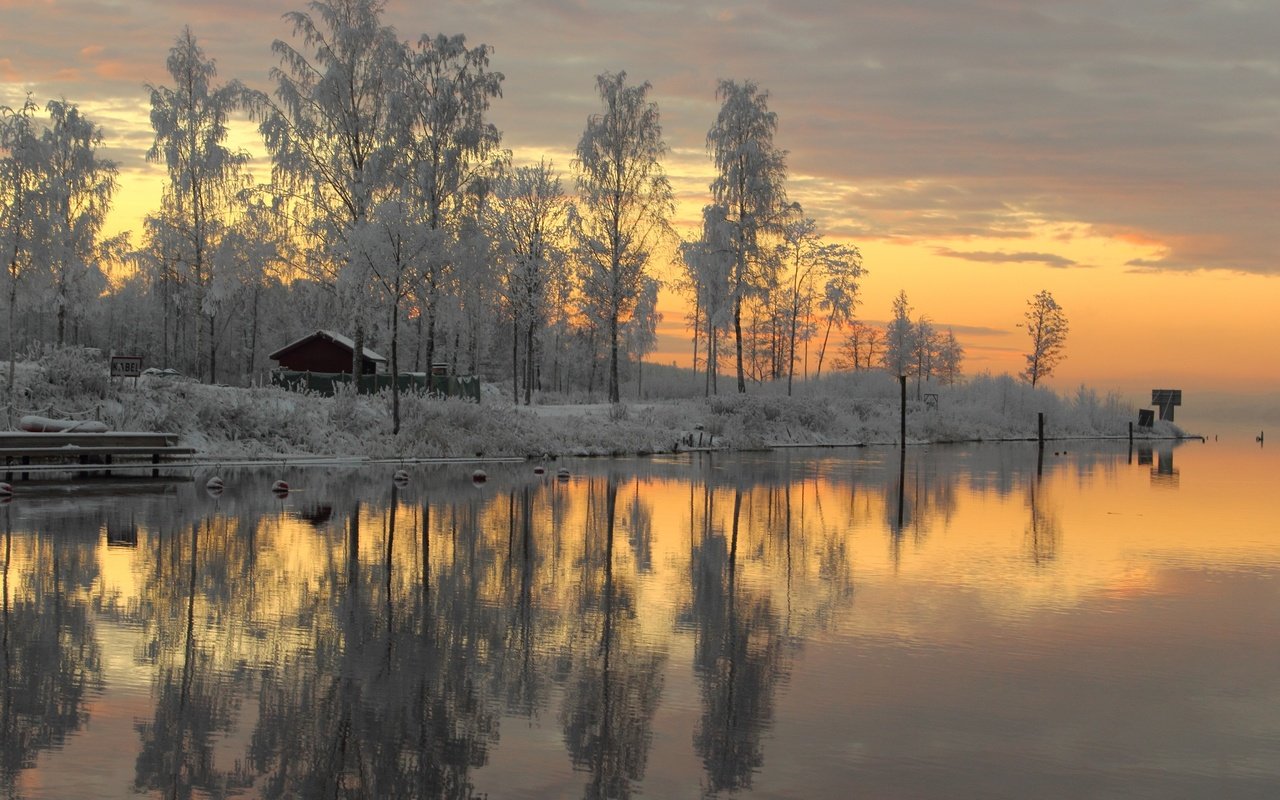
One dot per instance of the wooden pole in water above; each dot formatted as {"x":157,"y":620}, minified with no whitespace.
{"x":1131,"y":433}
{"x":902,"y":382}
{"x":1040,"y":427}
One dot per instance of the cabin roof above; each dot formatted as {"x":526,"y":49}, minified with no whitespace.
{"x":336,"y":338}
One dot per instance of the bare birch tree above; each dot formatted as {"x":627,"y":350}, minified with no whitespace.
{"x":626,"y":202}
{"x":190,"y":120}
{"x":749,"y":184}
{"x":842,"y":265}
{"x":899,"y":338}
{"x":21,"y":227}
{"x":77,"y":197}
{"x":329,"y":131}
{"x":530,"y":224}
{"x":1046,"y":324}
{"x":449,"y":148}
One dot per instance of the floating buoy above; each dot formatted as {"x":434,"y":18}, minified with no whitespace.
{"x":280,"y":488}
{"x":214,"y":484}
{"x":401,"y":478}
{"x":479,"y":476}
{"x":563,"y":473}
{"x":6,"y":489}
{"x":539,"y":470}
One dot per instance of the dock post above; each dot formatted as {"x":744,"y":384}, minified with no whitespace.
{"x":1040,"y":427}
{"x":902,"y":382}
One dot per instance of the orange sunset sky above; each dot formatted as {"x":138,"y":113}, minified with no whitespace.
{"x":1124,"y":156}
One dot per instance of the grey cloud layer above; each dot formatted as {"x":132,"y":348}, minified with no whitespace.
{"x":907,"y":118}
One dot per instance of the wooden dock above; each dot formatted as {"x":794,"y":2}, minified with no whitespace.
{"x":86,"y":452}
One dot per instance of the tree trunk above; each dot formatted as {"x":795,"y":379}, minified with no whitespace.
{"x":357,"y":355}
{"x":13,"y":356}
{"x":822,"y":351}
{"x":528,"y":364}
{"x":395,"y":366}
{"x":213,"y":350}
{"x":253,"y":335}
{"x":613,"y":356}
{"x":515,"y":361}
{"x":737,"y":332}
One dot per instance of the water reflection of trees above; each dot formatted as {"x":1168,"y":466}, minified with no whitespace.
{"x":196,"y":617}
{"x":613,"y":676}
{"x":362,"y":639}
{"x":388,"y":698}
{"x":738,"y":659}
{"x":49,"y":657}
{"x":768,"y":566}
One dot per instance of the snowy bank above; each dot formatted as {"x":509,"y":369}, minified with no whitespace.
{"x":851,"y":409}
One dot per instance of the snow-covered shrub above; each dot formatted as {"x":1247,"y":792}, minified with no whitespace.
{"x":342,"y":411}
{"x":72,"y":373}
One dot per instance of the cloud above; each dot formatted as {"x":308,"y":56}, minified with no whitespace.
{"x":904,"y":118}
{"x":990,"y":257}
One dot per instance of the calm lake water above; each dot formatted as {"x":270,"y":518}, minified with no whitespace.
{"x":976,"y":622}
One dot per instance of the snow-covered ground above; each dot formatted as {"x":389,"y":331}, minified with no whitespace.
{"x":861,"y":408}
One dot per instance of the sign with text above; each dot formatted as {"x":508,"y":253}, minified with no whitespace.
{"x":1166,"y":400}
{"x":126,"y":366}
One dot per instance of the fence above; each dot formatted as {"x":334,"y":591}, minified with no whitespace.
{"x":467,"y":386}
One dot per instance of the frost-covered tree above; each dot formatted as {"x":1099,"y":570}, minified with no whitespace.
{"x":448,"y":148}
{"x":924,"y":350}
{"x":395,"y":241}
{"x":530,"y":223}
{"x":79,"y":184}
{"x":750,"y":176}
{"x":708,"y":263}
{"x":842,"y":266}
{"x":799,"y":252}
{"x":330,"y":132}
{"x":640,"y":333}
{"x":1046,"y":324}
{"x":190,"y":120}
{"x":21,"y":185}
{"x":251,"y":253}
{"x":861,"y":346}
{"x":899,"y":338}
{"x":626,"y":202}
{"x":950,"y":358}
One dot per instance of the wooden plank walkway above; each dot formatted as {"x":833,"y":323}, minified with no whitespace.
{"x":48,"y":451}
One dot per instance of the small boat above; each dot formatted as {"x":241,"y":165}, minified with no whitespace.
{"x":36,"y":424}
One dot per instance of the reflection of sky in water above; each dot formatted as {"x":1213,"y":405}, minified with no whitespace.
{"x":1083,"y":622}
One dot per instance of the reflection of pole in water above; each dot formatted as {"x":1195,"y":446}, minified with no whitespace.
{"x":902,"y":485}
{"x":895,"y":535}
{"x":1163,"y":471}
{"x":387,"y":564}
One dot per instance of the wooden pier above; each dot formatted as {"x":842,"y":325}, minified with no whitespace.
{"x":25,"y":453}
